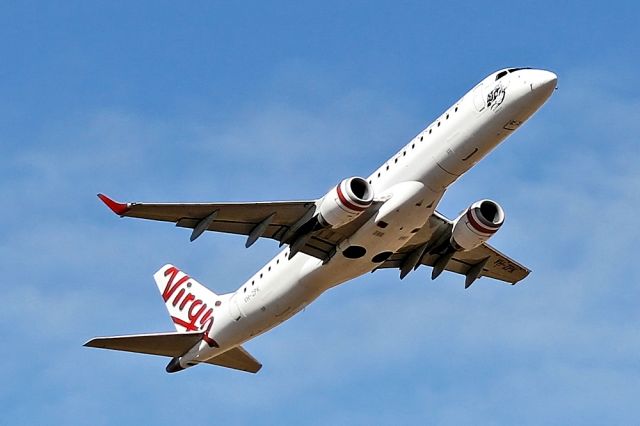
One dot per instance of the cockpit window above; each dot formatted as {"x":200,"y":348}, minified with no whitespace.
{"x":518,"y":69}
{"x":507,"y":71}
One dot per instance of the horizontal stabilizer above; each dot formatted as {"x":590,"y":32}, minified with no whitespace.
{"x":164,"y":344}
{"x":238,"y":359}
{"x":175,"y":345}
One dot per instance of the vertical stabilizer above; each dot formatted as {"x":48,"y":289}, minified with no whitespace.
{"x":189,"y":303}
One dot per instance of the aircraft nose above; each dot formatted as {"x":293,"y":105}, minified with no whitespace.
{"x":543,"y":82}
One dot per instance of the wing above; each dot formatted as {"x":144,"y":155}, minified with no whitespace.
{"x":283,"y":221}
{"x":483,"y":261}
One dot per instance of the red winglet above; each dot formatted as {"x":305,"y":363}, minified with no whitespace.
{"x":116,"y":207}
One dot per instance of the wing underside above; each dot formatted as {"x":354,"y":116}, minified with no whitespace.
{"x":278,"y":220}
{"x":285,"y":221}
{"x":497,"y":266}
{"x":482,"y":261}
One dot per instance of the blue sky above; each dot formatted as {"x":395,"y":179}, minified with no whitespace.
{"x":214,"y":101}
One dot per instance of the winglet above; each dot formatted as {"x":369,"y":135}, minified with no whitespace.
{"x":118,"y":208}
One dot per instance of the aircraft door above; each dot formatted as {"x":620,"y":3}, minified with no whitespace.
{"x":234,"y":309}
{"x":479,"y":98}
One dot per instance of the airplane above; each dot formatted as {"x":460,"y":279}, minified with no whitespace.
{"x":387,"y":220}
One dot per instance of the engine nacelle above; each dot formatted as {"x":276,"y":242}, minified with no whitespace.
{"x":345,"y":202}
{"x":476,"y":225}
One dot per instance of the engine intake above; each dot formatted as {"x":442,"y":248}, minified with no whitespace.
{"x":345,"y":202}
{"x":476,"y":225}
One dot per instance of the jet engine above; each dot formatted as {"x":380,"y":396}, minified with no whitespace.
{"x":476,"y":225}
{"x":345,"y":202}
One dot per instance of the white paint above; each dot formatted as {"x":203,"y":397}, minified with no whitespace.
{"x":412,"y":182}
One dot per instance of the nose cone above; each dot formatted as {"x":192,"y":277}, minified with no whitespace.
{"x":543,"y":83}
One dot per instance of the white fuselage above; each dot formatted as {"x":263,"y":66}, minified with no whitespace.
{"x":410,"y":184}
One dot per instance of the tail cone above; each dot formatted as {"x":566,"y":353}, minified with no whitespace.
{"x":174,"y":366}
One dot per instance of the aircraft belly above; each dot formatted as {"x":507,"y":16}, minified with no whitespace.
{"x":287,"y":291}
{"x":406,"y":211}
{"x":273,"y":299}
{"x":411,"y":201}
{"x":283,"y":288}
